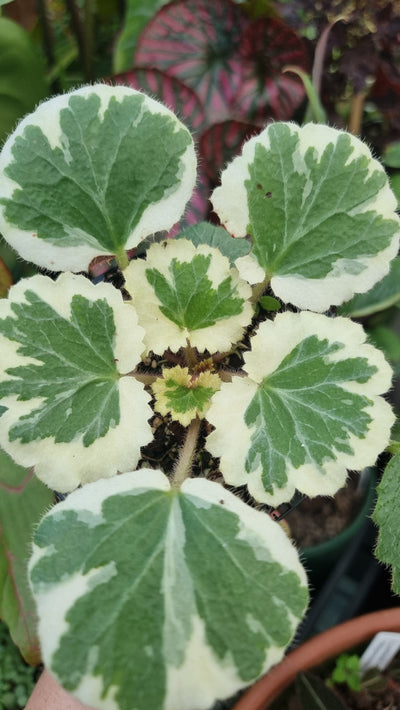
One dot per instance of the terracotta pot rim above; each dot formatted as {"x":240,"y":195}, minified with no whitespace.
{"x":315,"y":651}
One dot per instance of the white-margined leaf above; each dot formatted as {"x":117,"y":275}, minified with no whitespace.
{"x":319,"y":210}
{"x":308,"y":410}
{"x":157,"y":598}
{"x":67,"y":347}
{"x":183,"y":292}
{"x":93,"y":172}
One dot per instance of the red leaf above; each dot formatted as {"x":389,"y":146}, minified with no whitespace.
{"x":268,"y":45}
{"x":6,"y":279}
{"x":220,"y":143}
{"x":167,"y":89}
{"x":198,"y":42}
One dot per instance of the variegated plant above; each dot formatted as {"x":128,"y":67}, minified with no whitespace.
{"x":168,"y":591}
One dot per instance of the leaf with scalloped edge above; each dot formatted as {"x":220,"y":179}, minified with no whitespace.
{"x":268,"y":45}
{"x":308,"y":410}
{"x":386,"y":516}
{"x":93,"y":172}
{"x":319,"y":210}
{"x":67,"y":348}
{"x":183,"y":292}
{"x":198,"y":42}
{"x":157,"y":597}
{"x":182,"y":395}
{"x":169,"y":90}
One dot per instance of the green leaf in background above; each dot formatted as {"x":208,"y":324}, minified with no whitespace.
{"x":23,"y":501}
{"x":395,"y":185}
{"x":137,"y":15}
{"x":183,"y":292}
{"x":318,"y":208}
{"x":218,"y":237}
{"x":388,"y":340}
{"x":391,"y":155}
{"x":383,"y":295}
{"x":387,"y":517}
{"x":268,"y":303}
{"x":309,"y":410}
{"x":93,"y":172}
{"x":22,"y":75}
{"x":151,"y":597}
{"x":62,"y":360}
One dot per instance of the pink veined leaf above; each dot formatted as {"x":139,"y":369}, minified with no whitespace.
{"x":198,"y":41}
{"x":222,"y":142}
{"x":268,"y":45}
{"x":198,"y":207}
{"x":169,"y":90}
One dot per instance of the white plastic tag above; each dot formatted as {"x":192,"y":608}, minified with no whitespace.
{"x":380,"y":652}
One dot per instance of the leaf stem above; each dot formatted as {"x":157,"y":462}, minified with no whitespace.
{"x":191,"y":356}
{"x":258,"y":290}
{"x":186,"y":454}
{"x":122,"y":259}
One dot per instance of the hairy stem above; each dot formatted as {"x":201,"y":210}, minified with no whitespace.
{"x":122,"y":259}
{"x":258,"y":290}
{"x":356,"y":113}
{"x":186,"y":455}
{"x":191,"y":356}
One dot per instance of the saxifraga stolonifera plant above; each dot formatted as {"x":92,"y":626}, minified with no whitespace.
{"x":158,"y":591}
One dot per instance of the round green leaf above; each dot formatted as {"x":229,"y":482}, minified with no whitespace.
{"x":309,"y":409}
{"x":152,"y":597}
{"x":22,"y":75}
{"x":319,"y":210}
{"x":66,"y":348}
{"x":93,"y":172}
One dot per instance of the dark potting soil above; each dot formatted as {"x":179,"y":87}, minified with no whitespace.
{"x":319,"y":519}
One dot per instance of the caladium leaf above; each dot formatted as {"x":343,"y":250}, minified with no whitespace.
{"x":319,"y":210}
{"x":23,"y":501}
{"x":220,"y":143}
{"x":268,"y":45}
{"x":185,"y":293}
{"x":152,"y":597}
{"x":182,"y":395}
{"x":66,"y":348}
{"x":386,"y":516}
{"x":215,"y":236}
{"x":198,"y":42}
{"x":170,"y":91}
{"x":309,"y":409}
{"x":93,"y":172}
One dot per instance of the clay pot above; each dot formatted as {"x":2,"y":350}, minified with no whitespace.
{"x":49,"y":695}
{"x":314,"y":652}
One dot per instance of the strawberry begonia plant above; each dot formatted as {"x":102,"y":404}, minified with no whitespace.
{"x":158,"y":591}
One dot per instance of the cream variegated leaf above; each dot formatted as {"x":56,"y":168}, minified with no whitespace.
{"x":167,"y":598}
{"x":309,"y":409}
{"x":93,"y":172}
{"x":73,"y":411}
{"x":319,"y":210}
{"x":183,"y":293}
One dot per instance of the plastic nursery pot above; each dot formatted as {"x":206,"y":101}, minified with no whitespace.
{"x":314,"y":652}
{"x":49,"y":695}
{"x":321,"y":558}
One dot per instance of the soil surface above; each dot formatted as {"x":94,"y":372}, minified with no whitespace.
{"x":319,"y":519}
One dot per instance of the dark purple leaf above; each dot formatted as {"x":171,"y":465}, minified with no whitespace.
{"x":198,"y":42}
{"x":220,"y":143}
{"x":268,"y":45}
{"x":167,"y":89}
